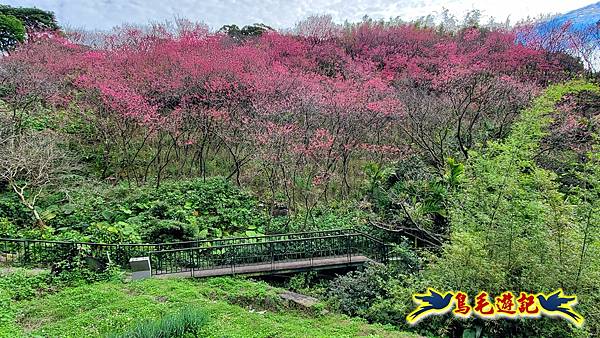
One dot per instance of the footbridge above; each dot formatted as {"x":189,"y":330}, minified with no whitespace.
{"x":256,"y":255}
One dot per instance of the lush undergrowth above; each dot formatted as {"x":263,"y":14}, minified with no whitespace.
{"x":235,"y":308}
{"x":176,"y":211}
{"x":183,"y":210}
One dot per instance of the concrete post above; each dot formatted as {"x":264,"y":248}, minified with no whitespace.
{"x":140,"y":267}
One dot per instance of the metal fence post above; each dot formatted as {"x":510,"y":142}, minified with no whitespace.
{"x":118,"y":259}
{"x":386,"y":250}
{"x":193,"y":262}
{"x":272,"y":255}
{"x":233,"y":260}
{"x":312,"y":252}
{"x":25,"y":252}
{"x":348,"y":248}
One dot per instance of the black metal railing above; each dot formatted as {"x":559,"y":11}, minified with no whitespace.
{"x":236,"y":255}
{"x":42,"y":253}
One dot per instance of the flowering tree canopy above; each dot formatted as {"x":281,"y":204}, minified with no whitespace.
{"x":308,"y":108}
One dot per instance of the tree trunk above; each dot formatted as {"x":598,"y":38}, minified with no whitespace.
{"x":31,"y":206}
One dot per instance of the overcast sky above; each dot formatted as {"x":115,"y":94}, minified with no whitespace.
{"x":104,"y":14}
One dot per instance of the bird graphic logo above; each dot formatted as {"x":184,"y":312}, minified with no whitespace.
{"x":506,"y":305}
{"x":557,"y":304}
{"x":430,"y":303}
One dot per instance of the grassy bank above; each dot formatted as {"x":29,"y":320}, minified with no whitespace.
{"x":236,"y":308}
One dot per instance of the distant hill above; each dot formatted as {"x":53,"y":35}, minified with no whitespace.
{"x":580,"y":18}
{"x":585,"y":20}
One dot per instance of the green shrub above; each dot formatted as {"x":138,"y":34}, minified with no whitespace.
{"x":165,"y":231}
{"x":11,"y":208}
{"x":7,"y":228}
{"x":81,"y":269}
{"x":23,"y":284}
{"x":406,"y":260}
{"x":119,"y":232}
{"x":322,"y":217}
{"x":302,"y":282}
{"x":185,"y":323}
{"x":412,"y":195}
{"x":355,"y":292}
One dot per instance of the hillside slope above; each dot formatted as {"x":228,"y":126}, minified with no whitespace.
{"x":237,"y":308}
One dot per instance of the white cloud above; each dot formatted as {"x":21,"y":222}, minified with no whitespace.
{"x":104,"y":14}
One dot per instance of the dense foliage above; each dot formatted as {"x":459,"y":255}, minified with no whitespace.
{"x":479,"y":142}
{"x":177,"y":211}
{"x":297,"y":117}
{"x":513,"y":229}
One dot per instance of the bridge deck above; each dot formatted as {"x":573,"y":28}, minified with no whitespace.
{"x":322,"y":263}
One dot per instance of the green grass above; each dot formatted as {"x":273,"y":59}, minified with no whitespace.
{"x":236,"y":308}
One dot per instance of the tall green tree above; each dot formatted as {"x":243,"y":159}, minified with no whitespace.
{"x":246,"y":32}
{"x":12,"y":32}
{"x":34,"y":19}
{"x":16,"y":23}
